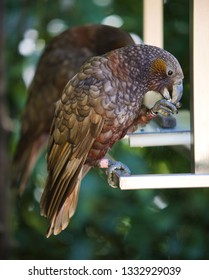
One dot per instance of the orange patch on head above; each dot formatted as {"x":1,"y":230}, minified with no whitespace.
{"x":158,"y":65}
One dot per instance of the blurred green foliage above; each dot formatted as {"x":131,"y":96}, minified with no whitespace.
{"x":109,"y":223}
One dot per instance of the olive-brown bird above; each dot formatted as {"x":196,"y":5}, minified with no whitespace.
{"x":98,"y":106}
{"x":60,"y":61}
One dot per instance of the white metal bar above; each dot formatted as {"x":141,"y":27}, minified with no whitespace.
{"x":153,"y":22}
{"x":200,"y":85}
{"x":164,"y":181}
{"x":154,"y":135}
{"x":161,"y":139}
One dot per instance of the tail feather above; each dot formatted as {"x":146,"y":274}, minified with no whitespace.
{"x":59,"y":219}
{"x":22,"y":167}
{"x":24,"y":161}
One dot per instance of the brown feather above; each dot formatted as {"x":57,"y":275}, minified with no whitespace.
{"x":67,"y":153}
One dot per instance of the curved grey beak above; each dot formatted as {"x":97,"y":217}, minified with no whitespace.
{"x":177,"y":93}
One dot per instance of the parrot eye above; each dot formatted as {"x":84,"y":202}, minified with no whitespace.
{"x":170,"y":72}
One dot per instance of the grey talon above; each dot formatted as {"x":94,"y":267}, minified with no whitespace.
{"x":164,"y":107}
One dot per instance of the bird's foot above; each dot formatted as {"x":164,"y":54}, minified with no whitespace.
{"x":114,"y":170}
{"x":165,"y":108}
{"x":119,"y":168}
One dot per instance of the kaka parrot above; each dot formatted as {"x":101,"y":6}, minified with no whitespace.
{"x":98,"y":106}
{"x":59,"y":62}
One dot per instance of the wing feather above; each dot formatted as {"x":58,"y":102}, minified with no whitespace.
{"x":68,"y":149}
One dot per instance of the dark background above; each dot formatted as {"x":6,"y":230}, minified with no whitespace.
{"x":109,"y":223}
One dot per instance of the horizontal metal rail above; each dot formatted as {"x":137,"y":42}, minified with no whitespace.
{"x":161,"y":181}
{"x":160,"y":139}
{"x":154,"y":135}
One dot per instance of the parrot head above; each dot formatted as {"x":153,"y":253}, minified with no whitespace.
{"x":164,"y":74}
{"x":153,"y":69}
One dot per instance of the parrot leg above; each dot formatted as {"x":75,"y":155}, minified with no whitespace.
{"x":114,"y":170}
